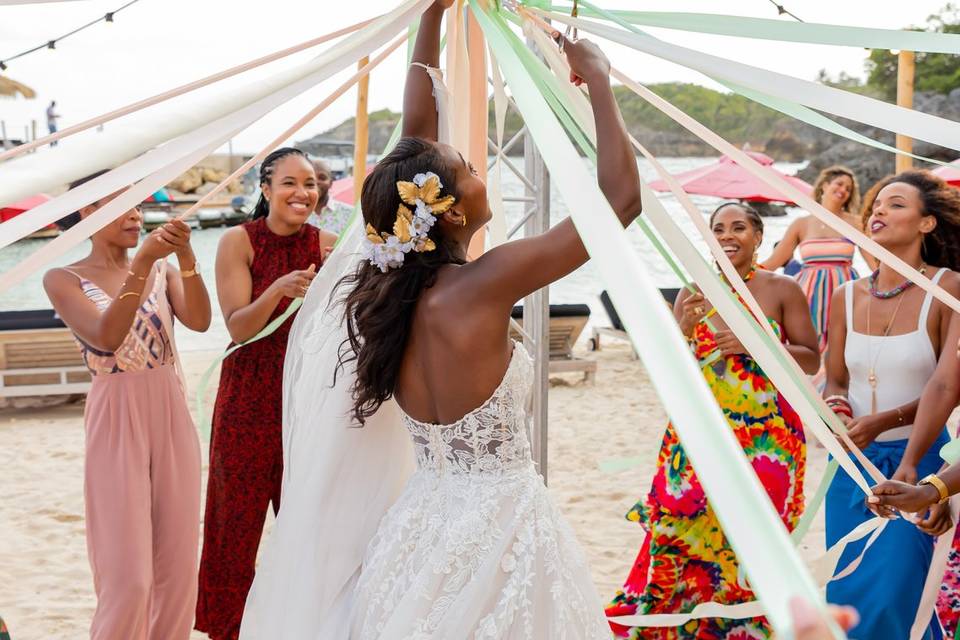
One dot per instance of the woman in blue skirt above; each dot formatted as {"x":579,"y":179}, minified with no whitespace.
{"x":886,"y":336}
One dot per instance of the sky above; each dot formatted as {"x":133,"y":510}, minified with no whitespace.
{"x":155,"y":45}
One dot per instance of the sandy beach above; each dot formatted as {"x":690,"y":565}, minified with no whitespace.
{"x":46,"y":590}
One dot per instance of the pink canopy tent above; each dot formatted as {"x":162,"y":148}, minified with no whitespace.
{"x":950,"y":173}
{"x":726,"y":179}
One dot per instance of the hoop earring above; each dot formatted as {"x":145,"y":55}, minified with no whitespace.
{"x":464,"y":223}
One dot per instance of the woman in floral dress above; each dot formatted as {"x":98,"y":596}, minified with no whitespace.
{"x":685,"y":559}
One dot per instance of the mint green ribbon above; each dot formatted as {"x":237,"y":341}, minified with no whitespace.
{"x":782,"y":30}
{"x":774,"y":587}
{"x":787,"y":107}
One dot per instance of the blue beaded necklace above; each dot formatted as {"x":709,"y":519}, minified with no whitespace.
{"x":892,"y":293}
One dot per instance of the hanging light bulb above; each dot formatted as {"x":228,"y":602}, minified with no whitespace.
{"x":3,"y":66}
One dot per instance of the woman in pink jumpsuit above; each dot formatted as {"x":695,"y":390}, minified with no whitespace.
{"x":142,"y":461}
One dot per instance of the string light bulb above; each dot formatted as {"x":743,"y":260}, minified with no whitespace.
{"x":52,"y":44}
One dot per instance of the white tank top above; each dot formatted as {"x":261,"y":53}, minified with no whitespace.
{"x":903,"y":365}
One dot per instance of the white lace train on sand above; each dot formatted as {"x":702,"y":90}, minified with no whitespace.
{"x":474,"y":547}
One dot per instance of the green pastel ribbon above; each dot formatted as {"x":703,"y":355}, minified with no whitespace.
{"x":758,"y":538}
{"x":782,"y":30}
{"x":787,"y":107}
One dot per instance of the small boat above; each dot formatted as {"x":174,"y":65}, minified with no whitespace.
{"x":241,"y":209}
{"x":210,"y":218}
{"x":155,"y":218}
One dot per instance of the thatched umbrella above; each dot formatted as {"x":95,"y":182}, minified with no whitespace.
{"x":9,"y":88}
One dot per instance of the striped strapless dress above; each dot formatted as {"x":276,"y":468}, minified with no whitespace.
{"x":826,"y":264}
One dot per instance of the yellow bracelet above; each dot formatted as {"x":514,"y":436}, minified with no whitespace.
{"x":128,"y":293}
{"x":939,"y":485}
{"x":131,"y":273}
{"x":189,"y":273}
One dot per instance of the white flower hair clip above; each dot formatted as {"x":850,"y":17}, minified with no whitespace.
{"x":410,"y":229}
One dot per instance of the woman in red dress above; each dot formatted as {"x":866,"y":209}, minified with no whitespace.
{"x":261,"y":267}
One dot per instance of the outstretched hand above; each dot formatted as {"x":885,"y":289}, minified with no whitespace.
{"x":587,"y":62}
{"x":809,"y":625}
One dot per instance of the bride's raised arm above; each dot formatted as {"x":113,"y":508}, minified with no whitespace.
{"x":419,"y":108}
{"x":513,"y":270}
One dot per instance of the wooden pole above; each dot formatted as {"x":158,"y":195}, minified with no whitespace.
{"x":361,"y":133}
{"x":479,"y":118}
{"x":905,"y":74}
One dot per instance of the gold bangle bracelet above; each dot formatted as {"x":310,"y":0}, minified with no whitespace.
{"x":938,"y":484}
{"x":131,"y":273}
{"x":129,"y":293}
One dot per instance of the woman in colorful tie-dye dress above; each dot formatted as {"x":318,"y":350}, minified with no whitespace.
{"x":685,"y":558}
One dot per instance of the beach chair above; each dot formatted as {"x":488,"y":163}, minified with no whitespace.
{"x":567,"y":322}
{"x":617,"y":331}
{"x":38,"y":356}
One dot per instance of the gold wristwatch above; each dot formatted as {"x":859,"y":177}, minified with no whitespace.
{"x":189,"y":273}
{"x":937,"y":484}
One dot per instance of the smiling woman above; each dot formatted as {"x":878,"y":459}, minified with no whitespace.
{"x":261,"y":267}
{"x":686,"y":559}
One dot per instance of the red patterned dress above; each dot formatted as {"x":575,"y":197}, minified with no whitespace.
{"x":948,"y":600}
{"x":246,"y":454}
{"x":685,"y":559}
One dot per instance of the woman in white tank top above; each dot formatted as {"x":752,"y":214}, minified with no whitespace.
{"x":886,"y":336}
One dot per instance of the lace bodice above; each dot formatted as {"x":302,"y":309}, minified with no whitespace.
{"x":490,"y":439}
{"x":474,"y":547}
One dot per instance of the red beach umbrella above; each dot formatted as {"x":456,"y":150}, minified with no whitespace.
{"x":15,"y":209}
{"x":726,"y":179}
{"x":342,"y":189}
{"x":950,"y":173}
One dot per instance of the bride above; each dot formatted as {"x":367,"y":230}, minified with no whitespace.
{"x":472,"y":545}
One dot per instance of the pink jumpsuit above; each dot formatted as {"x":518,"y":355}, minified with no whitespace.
{"x":141,"y":481}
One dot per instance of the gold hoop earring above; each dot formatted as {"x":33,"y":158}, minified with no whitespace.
{"x":464,"y":223}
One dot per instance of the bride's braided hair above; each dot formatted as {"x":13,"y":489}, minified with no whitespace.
{"x":941,"y":247}
{"x":379,"y":306}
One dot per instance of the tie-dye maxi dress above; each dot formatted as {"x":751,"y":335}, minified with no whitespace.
{"x":948,"y":600}
{"x":685,"y":558}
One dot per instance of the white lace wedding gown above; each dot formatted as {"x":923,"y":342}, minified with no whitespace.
{"x":474,"y":547}
{"x":467,"y":545}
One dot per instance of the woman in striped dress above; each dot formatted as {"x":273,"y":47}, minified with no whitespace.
{"x":826,"y":256}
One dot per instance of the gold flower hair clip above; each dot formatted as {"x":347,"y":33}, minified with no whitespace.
{"x":411,"y":227}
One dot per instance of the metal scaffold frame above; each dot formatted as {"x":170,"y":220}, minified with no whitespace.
{"x":536,"y":307}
